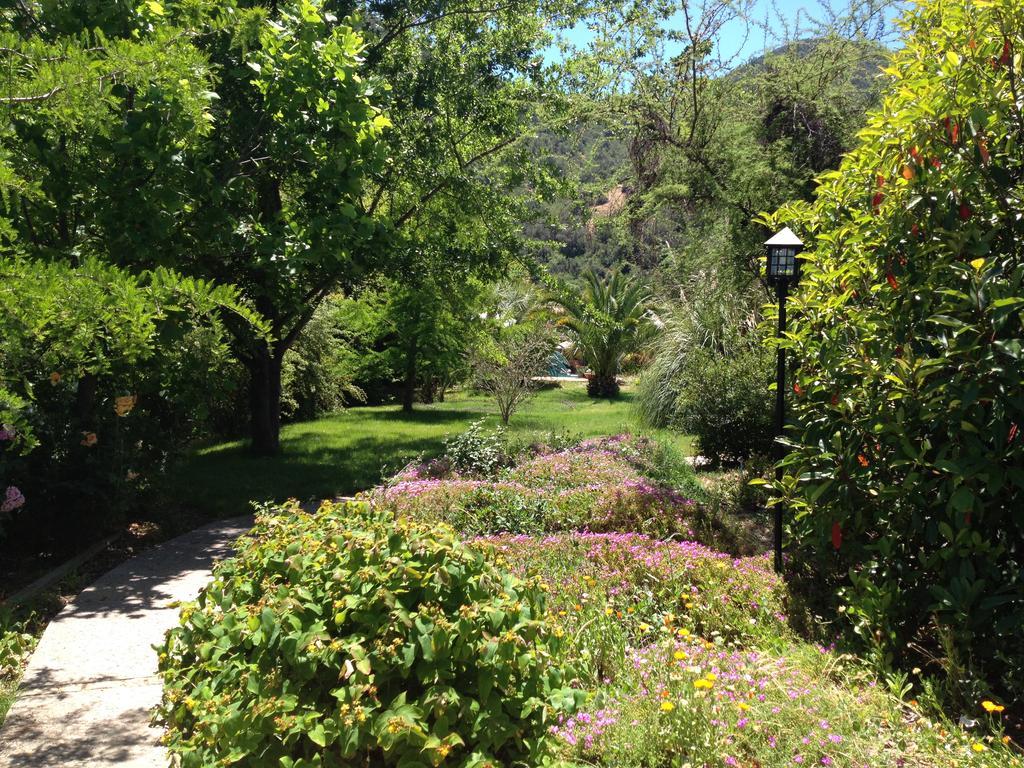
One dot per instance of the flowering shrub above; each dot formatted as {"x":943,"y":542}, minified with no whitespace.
{"x":347,"y":637}
{"x":906,"y":471}
{"x":16,"y":439}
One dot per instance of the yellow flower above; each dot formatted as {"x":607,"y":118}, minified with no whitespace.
{"x":644,"y":627}
{"x":703,"y":685}
{"x":743,"y":707}
{"x":711,"y":676}
{"x":991,"y":706}
{"x":684,"y":633}
{"x":667,"y":706}
{"x":978,"y":747}
{"x":123,"y":405}
{"x":679,"y":655}
{"x":689,"y":605}
{"x":608,"y":611}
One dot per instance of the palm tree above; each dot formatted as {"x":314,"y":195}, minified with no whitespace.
{"x":609,"y":320}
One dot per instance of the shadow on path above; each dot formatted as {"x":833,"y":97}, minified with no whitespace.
{"x":91,"y":684}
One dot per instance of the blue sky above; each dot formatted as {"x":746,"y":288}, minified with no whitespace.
{"x":773,"y":21}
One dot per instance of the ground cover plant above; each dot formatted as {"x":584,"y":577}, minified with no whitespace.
{"x":595,"y":485}
{"x":673,"y":653}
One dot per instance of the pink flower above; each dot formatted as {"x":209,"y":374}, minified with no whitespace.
{"x":7,"y":433}
{"x":13,"y":499}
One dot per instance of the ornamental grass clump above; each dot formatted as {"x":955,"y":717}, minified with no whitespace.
{"x":350,"y":638}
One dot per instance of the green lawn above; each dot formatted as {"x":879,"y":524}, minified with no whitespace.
{"x":353,"y":450}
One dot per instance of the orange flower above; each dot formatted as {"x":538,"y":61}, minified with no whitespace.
{"x":123,"y":405}
{"x":862,"y":459}
{"x":55,"y":378}
{"x":89,"y":439}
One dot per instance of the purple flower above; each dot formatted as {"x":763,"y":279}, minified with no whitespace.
{"x":13,"y":499}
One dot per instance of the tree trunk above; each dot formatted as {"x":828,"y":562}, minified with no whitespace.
{"x":409,"y":390}
{"x":429,"y":390}
{"x":602,"y":386}
{"x":265,"y":401}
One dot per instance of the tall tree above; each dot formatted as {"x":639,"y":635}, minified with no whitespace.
{"x":275,"y":191}
{"x":99,"y":106}
{"x":462,"y":85}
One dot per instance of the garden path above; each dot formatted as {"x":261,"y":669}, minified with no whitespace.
{"x":87,"y":695}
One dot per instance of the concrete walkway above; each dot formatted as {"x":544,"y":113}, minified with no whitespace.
{"x":89,"y":689}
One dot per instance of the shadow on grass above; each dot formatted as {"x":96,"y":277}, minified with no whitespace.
{"x":351,"y":451}
{"x":226,"y":481}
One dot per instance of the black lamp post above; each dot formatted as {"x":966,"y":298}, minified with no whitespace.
{"x":782,"y":271}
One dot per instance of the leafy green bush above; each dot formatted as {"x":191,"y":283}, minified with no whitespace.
{"x":107,"y":374}
{"x":725,"y":402}
{"x":347,"y":637}
{"x":316,"y":374}
{"x":476,"y":451}
{"x":906,"y":473}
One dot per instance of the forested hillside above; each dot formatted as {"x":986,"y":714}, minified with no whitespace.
{"x":635,"y":195}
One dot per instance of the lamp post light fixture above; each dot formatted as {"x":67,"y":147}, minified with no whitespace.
{"x":782,"y":271}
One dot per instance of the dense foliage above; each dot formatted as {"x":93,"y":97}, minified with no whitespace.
{"x":347,"y":637}
{"x":107,"y":375}
{"x":905,"y":477}
{"x":723,"y":403}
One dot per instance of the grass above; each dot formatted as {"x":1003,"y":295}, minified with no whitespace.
{"x":351,"y":451}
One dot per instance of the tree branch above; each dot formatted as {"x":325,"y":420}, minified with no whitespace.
{"x":427,"y":196}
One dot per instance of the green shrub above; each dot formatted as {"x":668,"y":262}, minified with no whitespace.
{"x":724,"y":401}
{"x":906,"y":474}
{"x":316,"y":375}
{"x":107,"y":375}
{"x":347,"y":637}
{"x":477,"y":451}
